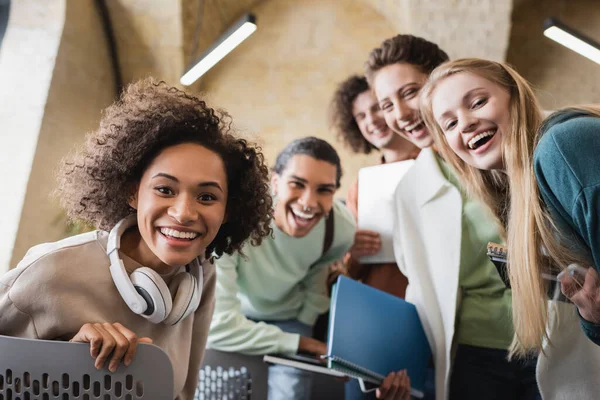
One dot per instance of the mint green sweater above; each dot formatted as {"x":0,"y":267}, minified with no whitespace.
{"x":275,"y":282}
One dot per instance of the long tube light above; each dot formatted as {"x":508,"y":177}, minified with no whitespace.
{"x":571,"y":39}
{"x":228,"y":41}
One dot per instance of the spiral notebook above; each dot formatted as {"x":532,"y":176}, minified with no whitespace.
{"x":498,"y":254}
{"x":372,"y":333}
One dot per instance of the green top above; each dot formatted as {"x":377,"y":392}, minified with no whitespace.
{"x":483,"y":318}
{"x":281,"y":279}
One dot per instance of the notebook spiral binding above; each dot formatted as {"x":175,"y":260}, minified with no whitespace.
{"x":498,"y":255}
{"x":351,"y":369}
{"x":496,"y":250}
{"x":363,"y":374}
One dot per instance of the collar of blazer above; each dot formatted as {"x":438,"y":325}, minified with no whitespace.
{"x":431,"y":180}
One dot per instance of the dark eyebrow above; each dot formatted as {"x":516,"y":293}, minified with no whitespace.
{"x":163,"y":175}
{"x":201,"y":184}
{"x":298,"y":178}
{"x":210,"y":184}
{"x":322,"y":186}
{"x":327,"y":186}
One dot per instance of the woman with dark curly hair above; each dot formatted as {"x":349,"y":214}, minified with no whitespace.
{"x":168,"y":185}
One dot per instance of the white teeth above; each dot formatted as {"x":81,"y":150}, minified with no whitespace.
{"x":302,"y":214}
{"x":477,"y":138}
{"x":412,"y":126}
{"x":178,"y":234}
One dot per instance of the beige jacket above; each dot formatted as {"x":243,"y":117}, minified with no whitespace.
{"x":58,"y":287}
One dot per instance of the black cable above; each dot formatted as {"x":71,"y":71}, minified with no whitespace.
{"x":4,"y":11}
{"x":112,"y":45}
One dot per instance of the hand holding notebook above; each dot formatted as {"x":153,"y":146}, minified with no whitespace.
{"x":373,"y":334}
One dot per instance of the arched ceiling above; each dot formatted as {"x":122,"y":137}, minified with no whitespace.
{"x":162,"y":37}
{"x":463,"y":28}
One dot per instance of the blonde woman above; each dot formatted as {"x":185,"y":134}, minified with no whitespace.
{"x":542,"y":184}
{"x":440,"y":240}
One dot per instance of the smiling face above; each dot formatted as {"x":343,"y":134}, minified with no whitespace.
{"x":304,"y":193}
{"x":180,"y":202}
{"x":397,"y":87}
{"x":370,"y":121}
{"x":474,"y":114}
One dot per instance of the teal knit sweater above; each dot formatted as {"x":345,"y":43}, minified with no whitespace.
{"x":567,"y":169}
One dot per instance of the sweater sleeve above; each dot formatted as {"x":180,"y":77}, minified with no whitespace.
{"x":231,"y":331}
{"x":13,"y":322}
{"x":591,"y":330}
{"x":316,"y":300}
{"x":566,"y":166}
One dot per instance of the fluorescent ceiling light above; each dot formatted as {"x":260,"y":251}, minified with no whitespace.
{"x":575,"y":41}
{"x":228,"y":41}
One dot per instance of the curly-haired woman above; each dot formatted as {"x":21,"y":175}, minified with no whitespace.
{"x":167,"y":185}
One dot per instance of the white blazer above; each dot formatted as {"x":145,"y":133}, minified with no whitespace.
{"x":427,"y":244}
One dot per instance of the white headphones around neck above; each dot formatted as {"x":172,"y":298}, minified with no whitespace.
{"x":145,"y":292}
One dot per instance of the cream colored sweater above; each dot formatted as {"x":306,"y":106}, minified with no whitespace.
{"x":58,"y":287}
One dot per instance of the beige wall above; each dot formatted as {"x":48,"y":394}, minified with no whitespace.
{"x":81,"y":86}
{"x":560,"y":76}
{"x":463,"y":28}
{"x":149,"y":38}
{"x":277,"y":85}
{"x":27,"y":58}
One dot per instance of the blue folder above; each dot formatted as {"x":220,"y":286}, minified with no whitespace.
{"x":372,"y":333}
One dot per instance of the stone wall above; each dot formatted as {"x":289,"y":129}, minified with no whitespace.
{"x":560,"y":76}
{"x":149,"y":38}
{"x":80,"y":85}
{"x":278,"y":83}
{"x":27,"y":58}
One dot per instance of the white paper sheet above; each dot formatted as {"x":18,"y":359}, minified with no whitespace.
{"x":376,"y":186}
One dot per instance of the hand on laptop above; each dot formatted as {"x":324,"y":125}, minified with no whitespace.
{"x":365,"y":243}
{"x":311,"y":346}
{"x":109,"y":340}
{"x":395,"y":386}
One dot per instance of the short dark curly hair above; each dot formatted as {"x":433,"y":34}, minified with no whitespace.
{"x":409,"y":49}
{"x":311,"y":146}
{"x":341,"y":118}
{"x":96,"y":181}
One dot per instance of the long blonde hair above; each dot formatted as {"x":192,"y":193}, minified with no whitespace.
{"x":513,"y":197}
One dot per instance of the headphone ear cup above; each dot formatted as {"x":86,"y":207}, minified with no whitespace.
{"x":184,"y":289}
{"x":154,"y":290}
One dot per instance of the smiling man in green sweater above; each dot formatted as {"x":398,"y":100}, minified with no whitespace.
{"x":268,"y":299}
